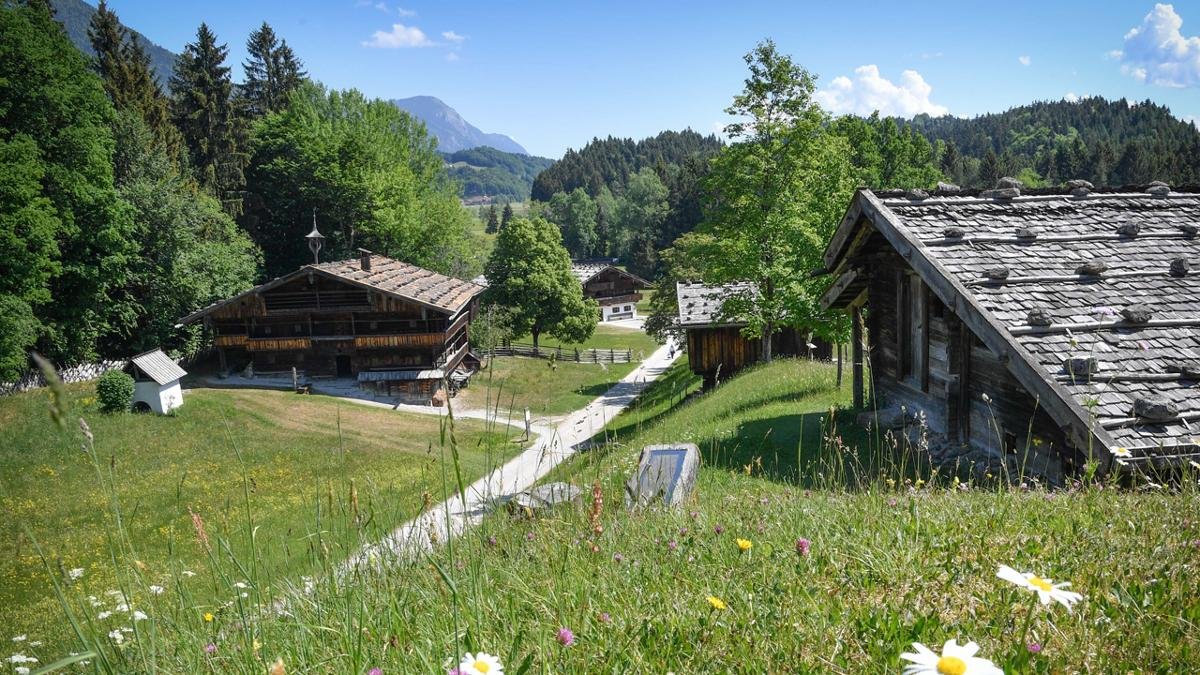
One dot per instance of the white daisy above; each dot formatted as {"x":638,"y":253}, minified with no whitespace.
{"x":1046,"y":589}
{"x":116,"y":636}
{"x":480,"y":664}
{"x":20,"y":638}
{"x":156,"y":590}
{"x":75,"y":573}
{"x":188,"y":573}
{"x":1122,"y":452}
{"x":240,"y":584}
{"x":139,"y":615}
{"x":955,"y":659}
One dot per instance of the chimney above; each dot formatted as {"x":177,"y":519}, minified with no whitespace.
{"x":364,"y":259}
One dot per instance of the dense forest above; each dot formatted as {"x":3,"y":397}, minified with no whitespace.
{"x":124,"y":205}
{"x":1047,"y":143}
{"x":487,"y":172}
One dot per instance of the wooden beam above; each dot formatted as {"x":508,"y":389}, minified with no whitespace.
{"x":1057,"y":401}
{"x":848,"y":227}
{"x":856,"y":342}
{"x":835,"y":291}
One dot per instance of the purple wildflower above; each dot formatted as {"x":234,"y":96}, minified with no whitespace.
{"x":210,"y":648}
{"x":802,"y":546}
{"x":617,"y":557}
{"x":565,"y":637}
{"x":892,"y":502}
{"x":694,"y":514}
{"x":672,"y":545}
{"x":1034,"y":648}
{"x":605,"y":618}
{"x":375,"y":671}
{"x":719,"y":529}
{"x":528,"y":536}
{"x":683,"y":531}
{"x":454,"y":671}
{"x":492,"y":540}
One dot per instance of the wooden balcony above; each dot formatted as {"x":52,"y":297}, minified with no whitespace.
{"x":277,"y":344}
{"x":409,"y":340}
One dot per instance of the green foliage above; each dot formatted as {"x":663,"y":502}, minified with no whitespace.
{"x":506,"y":216}
{"x":886,"y":156}
{"x":638,"y":219}
{"x":203,"y":109}
{"x":491,"y":327}
{"x":370,"y":174}
{"x":529,"y":272}
{"x":486,"y":171}
{"x":777,"y":193}
{"x":272,"y":72}
{"x":1105,"y":142}
{"x":575,"y":215}
{"x":114,"y":391}
{"x":64,"y":233}
{"x":18,"y":332}
{"x":190,"y":252}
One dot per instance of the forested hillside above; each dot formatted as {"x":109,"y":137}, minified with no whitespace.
{"x":486,"y":171}
{"x":611,"y":161}
{"x":1105,"y":142}
{"x":76,"y":16}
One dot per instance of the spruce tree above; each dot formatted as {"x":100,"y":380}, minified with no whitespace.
{"x":507,"y":216}
{"x":493,"y":221}
{"x":204,"y":112}
{"x":272,"y":72}
{"x":989,"y":170}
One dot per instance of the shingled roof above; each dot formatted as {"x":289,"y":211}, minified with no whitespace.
{"x":586,"y":270}
{"x":1093,"y":297}
{"x":382,"y":274}
{"x":700,"y":305}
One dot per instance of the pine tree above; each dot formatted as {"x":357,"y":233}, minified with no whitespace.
{"x":989,"y":170}
{"x":507,"y":216}
{"x":108,"y":40}
{"x":205,"y":114}
{"x":493,"y":220}
{"x":272,"y":72}
{"x":951,"y":163}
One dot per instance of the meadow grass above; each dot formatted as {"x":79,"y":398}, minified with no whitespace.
{"x":552,"y":387}
{"x":313,"y":472}
{"x":841,"y":571}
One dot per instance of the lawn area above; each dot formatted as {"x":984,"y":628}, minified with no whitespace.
{"x":553,"y":388}
{"x":316,"y":478}
{"x":832,"y":578}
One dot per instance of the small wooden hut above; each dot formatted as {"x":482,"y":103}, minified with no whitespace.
{"x":156,"y":379}
{"x":1048,"y":328}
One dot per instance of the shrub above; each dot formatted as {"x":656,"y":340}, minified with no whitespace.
{"x":114,"y":390}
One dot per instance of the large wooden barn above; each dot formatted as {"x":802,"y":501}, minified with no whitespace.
{"x":616,"y":290}
{"x":715,"y":345}
{"x":396,"y":327}
{"x":1037,"y":330}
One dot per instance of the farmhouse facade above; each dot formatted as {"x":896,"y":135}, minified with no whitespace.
{"x":715,"y":345}
{"x":616,"y":290}
{"x":397,"y":328}
{"x":1043,"y":329}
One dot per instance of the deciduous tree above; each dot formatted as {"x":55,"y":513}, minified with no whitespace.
{"x":529,"y":272}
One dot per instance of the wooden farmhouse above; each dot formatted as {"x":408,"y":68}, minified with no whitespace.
{"x":155,"y":382}
{"x":617,"y":290}
{"x":1038,"y":330}
{"x":715,"y":345}
{"x":399,"y":329}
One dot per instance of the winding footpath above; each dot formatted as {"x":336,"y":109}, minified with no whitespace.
{"x":552,"y":446}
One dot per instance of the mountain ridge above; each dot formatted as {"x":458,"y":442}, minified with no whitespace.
{"x":452,"y":131}
{"x":75,"y":17}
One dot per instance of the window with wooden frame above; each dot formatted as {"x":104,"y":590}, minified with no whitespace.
{"x":912,"y":333}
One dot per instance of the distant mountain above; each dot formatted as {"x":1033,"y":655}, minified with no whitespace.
{"x":452,"y":131}
{"x":76,"y":15}
{"x":488,"y":172}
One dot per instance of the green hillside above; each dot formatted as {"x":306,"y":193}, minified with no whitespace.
{"x":488,"y":172}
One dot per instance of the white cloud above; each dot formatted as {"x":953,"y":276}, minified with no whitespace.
{"x":452,"y":56}
{"x":1194,"y":119}
{"x":1158,"y":53}
{"x":931,"y":55}
{"x":1024,"y":60}
{"x":381,"y":6}
{"x":451,"y":36}
{"x":1071,"y":97}
{"x":869,"y":91}
{"x":406,"y":12}
{"x":399,"y":37}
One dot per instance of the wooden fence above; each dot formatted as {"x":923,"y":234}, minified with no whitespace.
{"x":570,"y":354}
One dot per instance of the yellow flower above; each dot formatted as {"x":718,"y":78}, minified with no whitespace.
{"x":715,"y":602}
{"x":744,"y":545}
{"x":208,"y":616}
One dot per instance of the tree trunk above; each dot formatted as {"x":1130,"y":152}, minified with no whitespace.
{"x":768,"y":332}
{"x":839,"y":361}
{"x":535,"y":332}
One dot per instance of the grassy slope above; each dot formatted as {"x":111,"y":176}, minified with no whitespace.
{"x":549,"y":388}
{"x":299,"y":466}
{"x":887,"y":566}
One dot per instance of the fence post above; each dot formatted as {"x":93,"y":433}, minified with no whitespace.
{"x":577,"y":355}
{"x":612,"y":357}
{"x":629,"y":356}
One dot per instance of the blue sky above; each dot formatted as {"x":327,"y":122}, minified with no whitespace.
{"x":554,"y":74}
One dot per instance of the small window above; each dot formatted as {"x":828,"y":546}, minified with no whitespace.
{"x":298,"y":328}
{"x":1010,"y":443}
{"x":266,"y":330}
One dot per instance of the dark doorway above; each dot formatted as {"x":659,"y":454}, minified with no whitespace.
{"x":343,"y":366}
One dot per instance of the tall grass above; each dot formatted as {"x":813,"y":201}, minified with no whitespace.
{"x":892,"y":554}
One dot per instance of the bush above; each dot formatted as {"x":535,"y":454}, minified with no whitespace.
{"x":114,"y":390}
